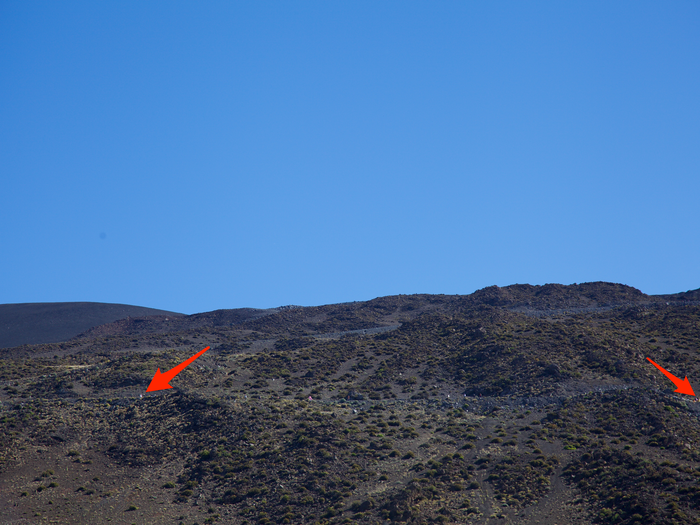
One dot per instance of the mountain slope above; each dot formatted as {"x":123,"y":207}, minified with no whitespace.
{"x":527,"y":405}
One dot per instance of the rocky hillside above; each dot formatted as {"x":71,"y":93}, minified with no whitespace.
{"x":523,"y":404}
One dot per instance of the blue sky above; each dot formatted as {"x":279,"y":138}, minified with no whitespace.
{"x":192,"y":156}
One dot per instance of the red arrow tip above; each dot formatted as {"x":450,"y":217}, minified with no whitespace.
{"x":685,"y":388}
{"x":159,"y":382}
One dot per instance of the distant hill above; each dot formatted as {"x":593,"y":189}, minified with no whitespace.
{"x":161,"y":324}
{"x":391,"y":310}
{"x":39,"y":323}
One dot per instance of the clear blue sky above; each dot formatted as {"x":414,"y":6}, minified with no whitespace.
{"x":192,"y":156}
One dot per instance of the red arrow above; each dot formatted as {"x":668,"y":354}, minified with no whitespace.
{"x":161,"y":381}
{"x":683,"y":386}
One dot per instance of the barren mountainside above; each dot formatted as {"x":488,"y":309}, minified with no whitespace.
{"x":522,"y":404}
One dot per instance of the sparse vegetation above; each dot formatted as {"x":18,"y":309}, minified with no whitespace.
{"x":440,"y":419}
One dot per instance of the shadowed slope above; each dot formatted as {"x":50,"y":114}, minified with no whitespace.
{"x":38,"y":323}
